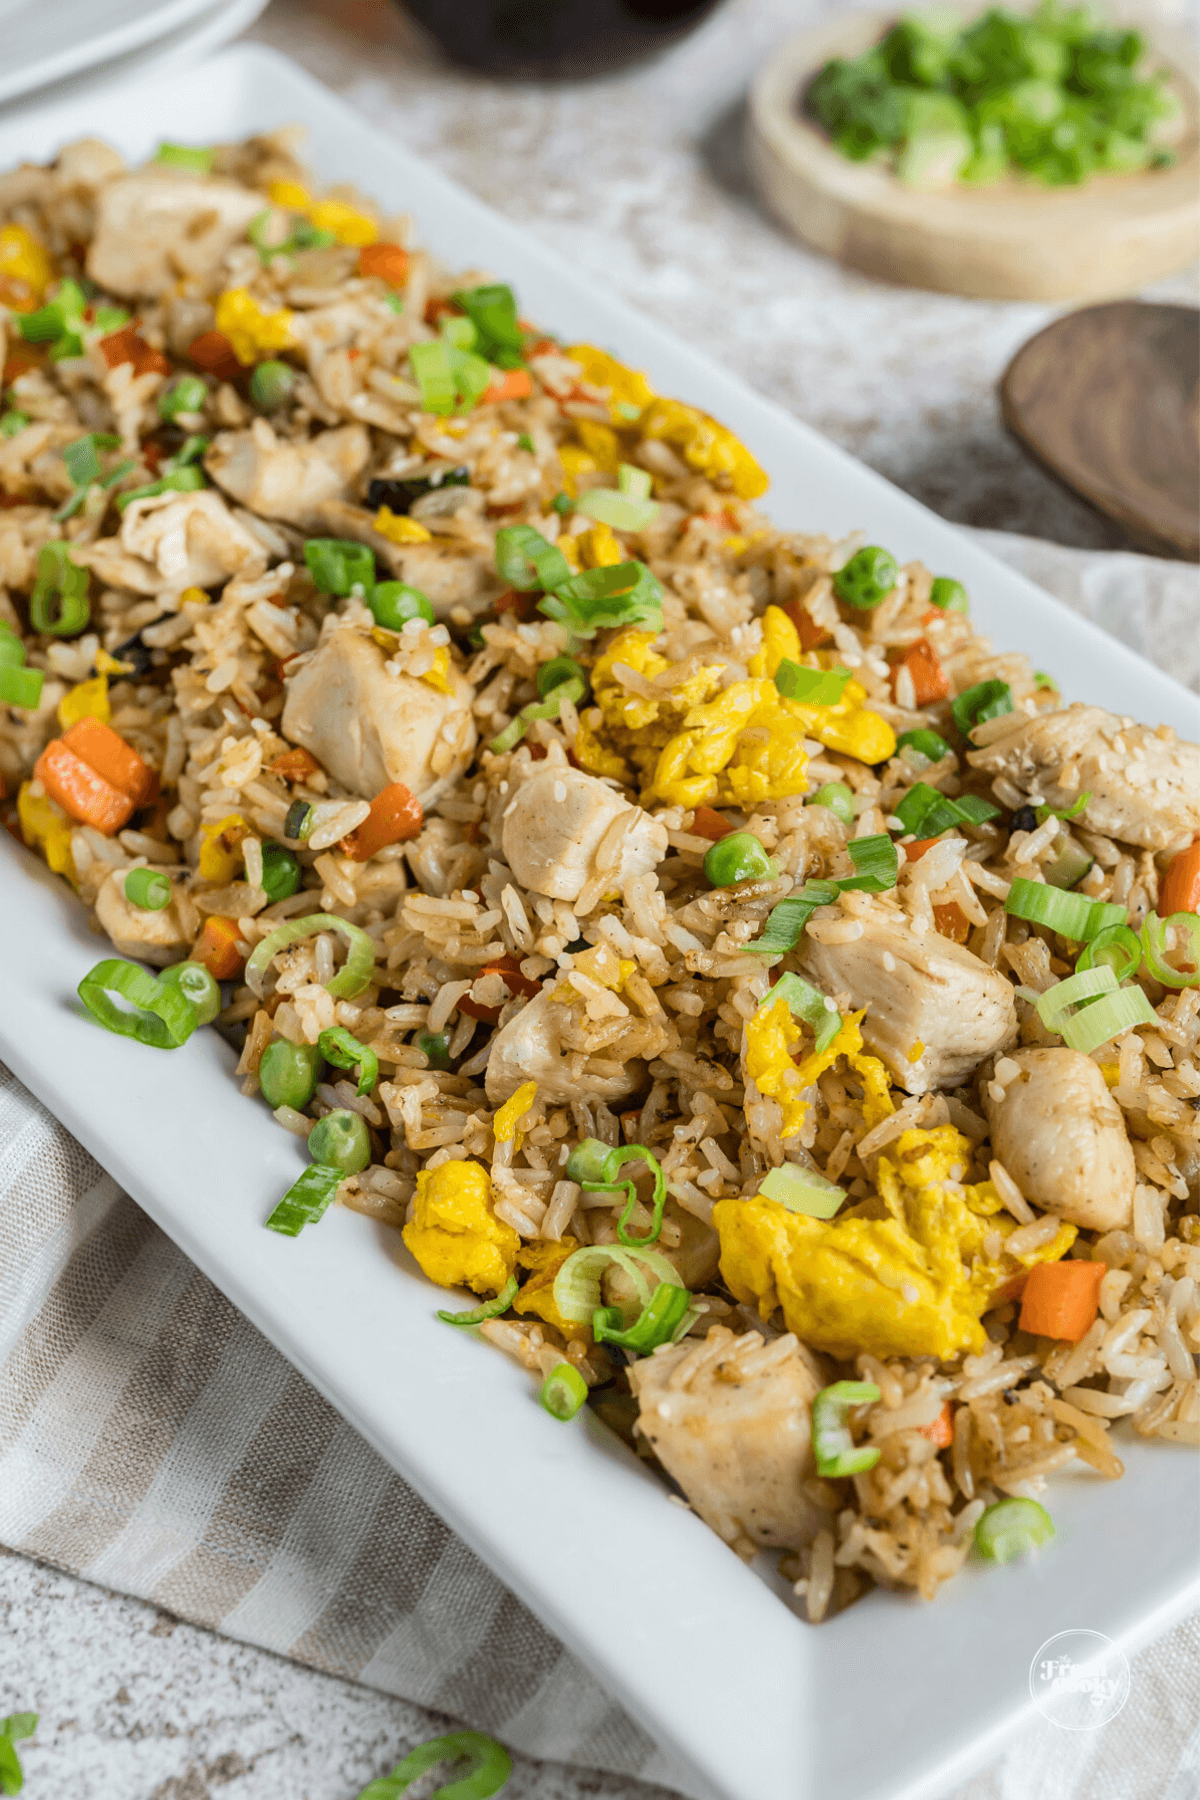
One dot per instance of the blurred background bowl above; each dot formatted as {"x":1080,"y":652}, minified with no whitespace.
{"x":555,"y":39}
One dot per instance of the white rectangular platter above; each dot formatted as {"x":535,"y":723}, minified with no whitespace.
{"x":891,"y":1700}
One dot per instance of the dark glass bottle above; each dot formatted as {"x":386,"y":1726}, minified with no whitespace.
{"x":555,"y":39}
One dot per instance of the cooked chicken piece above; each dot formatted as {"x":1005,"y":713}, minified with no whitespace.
{"x":934,"y":1011}
{"x":288,"y":481}
{"x":529,"y":1048}
{"x":168,"y":542}
{"x":159,"y":225}
{"x":1060,"y":1134}
{"x":444,"y":575}
{"x":154,"y":937}
{"x":562,"y":827}
{"x":369,"y":728}
{"x":89,"y":163}
{"x":730,"y":1418}
{"x":1145,"y":789}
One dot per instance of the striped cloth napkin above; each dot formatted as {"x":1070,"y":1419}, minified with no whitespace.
{"x":153,"y":1442}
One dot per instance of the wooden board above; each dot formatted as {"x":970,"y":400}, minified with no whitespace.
{"x":1017,"y":240}
{"x":1106,"y":398}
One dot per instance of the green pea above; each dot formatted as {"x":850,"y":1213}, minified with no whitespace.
{"x":562,"y":504}
{"x":195,"y":983}
{"x":868,"y":578}
{"x":838,"y":798}
{"x":281,"y":873}
{"x":950,"y":595}
{"x":552,"y":674}
{"x":436,"y":1047}
{"x":187,"y":395}
{"x":587,"y":1159}
{"x":738,"y":857}
{"x":288,"y":1074}
{"x":340,"y":1141}
{"x":271,"y":385}
{"x":393,"y":603}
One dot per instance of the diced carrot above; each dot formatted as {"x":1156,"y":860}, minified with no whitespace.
{"x":129,"y":346}
{"x":915,"y":851}
{"x":83,"y":794}
{"x":951,"y":921}
{"x":105,"y":751}
{"x":20,"y":359}
{"x":514,"y":384}
{"x":213,"y":352}
{"x":509,"y":969}
{"x":437,"y":310}
{"x":217,"y":948}
{"x":294,"y":765}
{"x":395,"y":816}
{"x":708,"y":823}
{"x":388,"y":261}
{"x":514,"y":602}
{"x":1061,"y":1299}
{"x":1180,"y":891}
{"x":940,"y":1431}
{"x":928,"y":676}
{"x":812,"y":635}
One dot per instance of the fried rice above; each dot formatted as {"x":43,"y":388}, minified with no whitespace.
{"x":560,"y":929}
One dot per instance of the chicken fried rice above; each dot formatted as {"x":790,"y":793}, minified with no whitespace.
{"x":774,"y":1006}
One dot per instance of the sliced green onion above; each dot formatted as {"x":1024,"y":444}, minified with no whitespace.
{"x":867,"y":579}
{"x":526,"y":561}
{"x":196,"y":985}
{"x":394,"y":603}
{"x":491,"y":1309}
{"x":1010,"y":1528}
{"x":808,"y":1003}
{"x":492,"y":312}
{"x":83,"y":459}
{"x":11,"y":422}
{"x":1116,"y":946}
{"x":1042,"y":680}
{"x":187,"y":480}
{"x":435,"y":1047}
{"x":975,"y":808}
{"x":459,"y":332}
{"x":986,"y":700}
{"x":1053,"y":1005}
{"x":299,"y":821}
{"x":552,"y":674}
{"x":12,"y":650}
{"x":186,"y":156}
{"x":738,"y":856}
{"x":786,"y":921}
{"x":1071,"y":915}
{"x":525,"y":442}
{"x":306,"y":1201}
{"x":1107,"y":1018}
{"x":288,"y":1074}
{"x":1154,"y":944}
{"x":876,"y":865}
{"x":637,"y":483}
{"x":271,"y":385}
{"x":339,"y":564}
{"x":834,"y":1449}
{"x":657,"y":1323}
{"x":472,"y":376}
{"x":837,"y":797}
{"x":434,"y":375}
{"x":927,"y":813}
{"x":577,"y":1284}
{"x":610,"y":1178}
{"x":549,"y":708}
{"x":59,"y":323}
{"x":341,"y":1047}
{"x":802,"y":1191}
{"x":186,"y":395}
{"x":619,"y":594}
{"x":812,"y":687}
{"x":148,"y":889}
{"x":950,"y":595}
{"x":622,"y":511}
{"x":925,"y":742}
{"x":1065,"y":814}
{"x":489,"y":1768}
{"x":20,"y":686}
{"x":564,"y":1391}
{"x":59,"y":602}
{"x":350,"y":980}
{"x":164,"y":1018}
{"x":340,"y":1141}
{"x":281,"y":873}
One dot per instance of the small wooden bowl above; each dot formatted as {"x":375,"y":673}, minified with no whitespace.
{"x":1017,"y":240}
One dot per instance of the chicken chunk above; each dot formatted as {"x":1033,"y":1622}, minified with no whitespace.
{"x":157,"y":226}
{"x":934,"y":1011}
{"x":1144,"y":788}
{"x":1060,"y":1134}
{"x":369,"y":728}
{"x":169,"y":542}
{"x":731,"y":1420}
{"x":562,"y":827}
{"x":529,"y":1048}
{"x":155,"y":937}
{"x":287,"y":481}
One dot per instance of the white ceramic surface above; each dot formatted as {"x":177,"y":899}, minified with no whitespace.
{"x":891,"y":1700}
{"x":47,"y":40}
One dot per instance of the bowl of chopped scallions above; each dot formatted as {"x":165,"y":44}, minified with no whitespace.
{"x":1050,"y":154}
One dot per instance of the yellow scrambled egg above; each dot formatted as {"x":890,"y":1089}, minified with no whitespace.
{"x":400,"y":528}
{"x":907,"y":1272}
{"x":220,"y":849}
{"x":705,"y":446}
{"x":25,"y":268}
{"x":454,"y":1234}
{"x":348,"y":225}
{"x":44,"y":828}
{"x":849,"y":727}
{"x":537,"y":1295}
{"x":504,"y":1125}
{"x":254,"y":333}
{"x":87,"y":700}
{"x":773,"y":1033}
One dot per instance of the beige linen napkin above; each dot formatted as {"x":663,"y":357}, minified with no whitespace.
{"x":152,"y":1441}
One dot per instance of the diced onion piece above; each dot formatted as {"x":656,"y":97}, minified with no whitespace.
{"x":802,"y":1191}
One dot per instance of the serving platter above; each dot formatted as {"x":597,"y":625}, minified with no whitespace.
{"x":891,"y":1700}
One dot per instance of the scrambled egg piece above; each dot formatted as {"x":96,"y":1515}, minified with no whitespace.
{"x":623,"y":733}
{"x":504,"y":1125}
{"x":908,"y":1272}
{"x":44,"y":828}
{"x":348,"y":225}
{"x":599,"y":548}
{"x":537,"y":1294}
{"x":454,"y":1234}
{"x":25,"y":268}
{"x":439,"y":676}
{"x":629,"y":393}
{"x":254,"y":333}
{"x":772,"y":1035}
{"x":707,"y":447}
{"x":848,"y":726}
{"x":88,"y":700}
{"x":220,"y":849}
{"x":400,"y":528}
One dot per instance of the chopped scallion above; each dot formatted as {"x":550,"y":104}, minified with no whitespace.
{"x":197,"y":985}
{"x":197,"y":157}
{"x":526,"y":561}
{"x":1116,"y":946}
{"x":20,"y":686}
{"x":564,"y":1391}
{"x":637,"y":483}
{"x":161,"y":1015}
{"x":59,"y":603}
{"x":986,"y":700}
{"x":491,"y":1309}
{"x":434,"y":375}
{"x":339,"y":564}
{"x":1154,"y":944}
{"x":925,"y":743}
{"x":802,"y":1191}
{"x":1071,"y":915}
{"x":610,"y":1177}
{"x":658,"y":1322}
{"x":622,"y":511}
{"x":488,"y":1768}
{"x":835,"y":1451}
{"x":808,"y":1003}
{"x":811,"y":687}
{"x":148,"y":889}
{"x":1107,"y":1018}
{"x":1012,"y":1527}
{"x":1055,"y":1003}
{"x":299,"y":821}
{"x":619,"y":594}
{"x":341,"y":1047}
{"x":306,"y":1201}
{"x":577,"y":1283}
{"x":550,"y":708}
{"x":350,"y":980}
{"x":185,"y":395}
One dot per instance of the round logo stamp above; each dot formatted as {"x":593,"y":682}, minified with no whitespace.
{"x":1079,"y":1680}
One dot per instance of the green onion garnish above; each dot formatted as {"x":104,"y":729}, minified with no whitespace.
{"x":1154,"y":946}
{"x":658,"y":1322}
{"x":525,"y":442}
{"x":802,"y":1191}
{"x":83,"y":466}
{"x":341,"y":1047}
{"x":339,"y":564}
{"x":835,"y":1450}
{"x":610,"y":1178}
{"x":11,"y":422}
{"x":564,"y":1391}
{"x":163,"y":1016}
{"x":1054,"y":1005}
{"x":288,"y":1074}
{"x":925,"y":743}
{"x":197,"y":157}
{"x":340,"y":1141}
{"x":552,"y":674}
{"x":350,"y":980}
{"x":148,"y":889}
{"x":447,"y":374}
{"x":12,"y":1729}
{"x":577,"y":1284}
{"x":299,"y":821}
{"x":1107,"y":1018}
{"x":306,"y":1201}
{"x":622,"y":511}
{"x":20,"y":686}
{"x":1117,"y":946}
{"x":867,"y":579}
{"x":1066,"y":814}
{"x":196,"y":985}
{"x":1010,"y":1528}
{"x":187,"y":480}
{"x":949,"y":595}
{"x":59,"y":602}
{"x":1071,"y":915}
{"x":185,"y":395}
{"x":739,"y":856}
{"x":492,"y":311}
{"x":837,"y":797}
{"x":876,"y":865}
{"x":491,"y":1309}
{"x":620,"y":594}
{"x":488,"y":1769}
{"x":637,"y":483}
{"x":986,"y":700}
{"x":786,"y":921}
{"x":60,"y":323}
{"x":1042,"y":680}
{"x":808,"y":1003}
{"x":550,"y":708}
{"x":927,"y":813}
{"x":812,"y":687}
{"x":526,"y":561}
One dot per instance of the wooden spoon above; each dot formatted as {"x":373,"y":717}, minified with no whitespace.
{"x":1107,"y":400}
